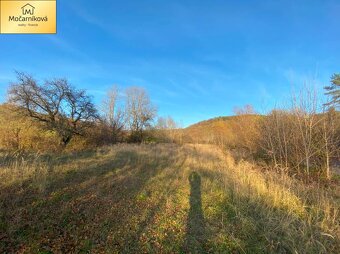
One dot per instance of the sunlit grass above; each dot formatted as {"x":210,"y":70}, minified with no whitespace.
{"x":138,"y":199}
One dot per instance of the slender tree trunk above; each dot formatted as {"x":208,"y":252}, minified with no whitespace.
{"x":328,"y":176}
{"x":328,"y":173}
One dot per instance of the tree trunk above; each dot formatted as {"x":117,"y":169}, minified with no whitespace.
{"x":65,"y":140}
{"x":328,"y":173}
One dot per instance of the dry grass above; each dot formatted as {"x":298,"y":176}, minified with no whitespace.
{"x":160,"y":199}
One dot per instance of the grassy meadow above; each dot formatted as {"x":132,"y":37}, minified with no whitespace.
{"x":170,"y":127}
{"x":160,"y":198}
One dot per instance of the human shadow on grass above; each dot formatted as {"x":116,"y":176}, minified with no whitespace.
{"x":196,"y":233}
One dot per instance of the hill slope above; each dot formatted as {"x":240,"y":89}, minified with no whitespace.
{"x":227,"y":129}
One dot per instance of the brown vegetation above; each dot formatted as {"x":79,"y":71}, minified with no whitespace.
{"x":160,"y":198}
{"x":62,"y":108}
{"x":248,"y":183}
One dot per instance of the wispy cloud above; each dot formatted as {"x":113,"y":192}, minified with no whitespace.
{"x":65,"y":46}
{"x":298,"y":79}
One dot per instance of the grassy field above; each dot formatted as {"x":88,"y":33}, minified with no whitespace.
{"x":160,"y":199}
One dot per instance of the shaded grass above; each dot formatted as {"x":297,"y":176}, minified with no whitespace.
{"x":160,"y":199}
{"x":195,"y":231}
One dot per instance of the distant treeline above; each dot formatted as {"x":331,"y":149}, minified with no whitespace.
{"x":302,"y":138}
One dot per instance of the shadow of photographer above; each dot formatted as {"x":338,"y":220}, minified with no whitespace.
{"x":195,"y":236}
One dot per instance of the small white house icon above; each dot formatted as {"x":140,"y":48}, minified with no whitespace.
{"x":27,"y":9}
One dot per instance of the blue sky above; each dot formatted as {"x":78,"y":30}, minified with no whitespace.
{"x":197,"y":59}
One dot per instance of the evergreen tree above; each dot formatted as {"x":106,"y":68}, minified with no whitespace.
{"x":334,"y":91}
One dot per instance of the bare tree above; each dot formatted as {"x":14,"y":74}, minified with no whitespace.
{"x":168,"y":129}
{"x":328,"y":139}
{"x":245,"y":110}
{"x":140,"y":112}
{"x":113,"y":113}
{"x":304,"y":109}
{"x":63,"y":109}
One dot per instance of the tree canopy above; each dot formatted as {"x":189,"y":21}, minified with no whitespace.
{"x":63,"y":109}
{"x":334,"y":91}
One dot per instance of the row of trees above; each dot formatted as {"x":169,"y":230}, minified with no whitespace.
{"x":300,"y":139}
{"x":303,"y":137}
{"x":69,"y":113}
{"x":130,"y":111}
{"x":306,"y":135}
